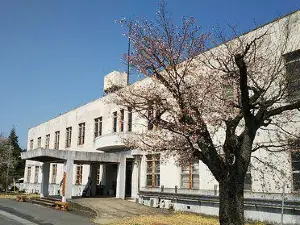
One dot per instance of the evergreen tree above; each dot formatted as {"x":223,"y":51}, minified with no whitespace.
{"x":19,"y":165}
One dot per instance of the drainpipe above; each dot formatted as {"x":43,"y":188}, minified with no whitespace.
{"x":139,"y":157}
{"x":282,"y":203}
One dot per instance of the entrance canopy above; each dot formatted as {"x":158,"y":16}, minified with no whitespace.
{"x":60,"y":156}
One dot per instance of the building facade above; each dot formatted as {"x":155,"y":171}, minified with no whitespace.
{"x":84,"y":151}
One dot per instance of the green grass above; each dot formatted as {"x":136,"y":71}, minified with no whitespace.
{"x":172,"y":219}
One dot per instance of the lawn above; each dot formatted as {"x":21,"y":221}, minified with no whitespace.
{"x":173,"y":219}
{"x":13,"y":195}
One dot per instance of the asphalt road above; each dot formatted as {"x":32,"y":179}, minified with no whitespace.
{"x":4,"y":220}
{"x":22,"y":213}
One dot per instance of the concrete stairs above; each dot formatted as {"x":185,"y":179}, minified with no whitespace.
{"x":46,"y":201}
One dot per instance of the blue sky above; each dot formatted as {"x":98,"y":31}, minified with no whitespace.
{"x":54,"y":54}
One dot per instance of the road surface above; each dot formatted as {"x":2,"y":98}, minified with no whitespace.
{"x":5,"y":219}
{"x":22,"y":213}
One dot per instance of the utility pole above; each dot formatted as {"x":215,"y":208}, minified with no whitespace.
{"x":128,"y":54}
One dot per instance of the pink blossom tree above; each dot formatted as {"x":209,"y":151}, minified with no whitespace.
{"x":209,"y":104}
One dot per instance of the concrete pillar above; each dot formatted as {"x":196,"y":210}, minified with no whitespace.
{"x":135,"y":177}
{"x":68,"y":170}
{"x":121,"y":179}
{"x":45,"y":180}
{"x":103,"y":177}
{"x":93,"y":175}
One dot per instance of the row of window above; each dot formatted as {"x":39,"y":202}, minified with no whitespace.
{"x":189,"y":174}
{"x":81,"y":130}
{"x":79,"y":169}
{"x":81,"y":136}
{"x":292,"y":66}
{"x":121,"y":120}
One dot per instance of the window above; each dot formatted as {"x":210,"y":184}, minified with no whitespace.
{"x":190,"y":176}
{"x":115,"y":118}
{"x":39,"y":142}
{"x":292,"y":65}
{"x":28,"y":174}
{"x":295,"y":154}
{"x":47,"y":141}
{"x":129,"y":119}
{"x":98,"y":127}
{"x":31,"y":144}
{"x":56,"y":140}
{"x":54,"y":173}
{"x":79,"y":174}
{"x":228,"y":92}
{"x":98,"y":175}
{"x":294,"y":145}
{"x":68,"y":136}
{"x":122,"y":120}
{"x":248,"y":180}
{"x":153,"y":170}
{"x":36,"y":174}
{"x":81,"y":133}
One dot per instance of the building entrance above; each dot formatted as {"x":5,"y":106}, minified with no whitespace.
{"x":128,"y":184}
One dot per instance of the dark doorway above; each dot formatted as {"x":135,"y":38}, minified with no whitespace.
{"x":129,"y":165}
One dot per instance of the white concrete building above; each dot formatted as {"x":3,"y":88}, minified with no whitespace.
{"x":85,"y":145}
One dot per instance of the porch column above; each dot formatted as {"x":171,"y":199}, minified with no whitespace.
{"x":103,"y":177}
{"x":93,"y":175}
{"x":121,"y":178}
{"x":136,"y":176}
{"x":45,"y":180}
{"x":67,"y":180}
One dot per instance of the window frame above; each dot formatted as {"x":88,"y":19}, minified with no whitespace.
{"x":121,"y":122}
{"x":39,"y":142}
{"x":54,"y":173}
{"x":68,"y":137}
{"x":31,"y":144}
{"x":248,"y":176}
{"x":98,"y":180}
{"x":28,"y":178}
{"x":295,"y":185}
{"x":129,"y":124}
{"x":98,"y":127}
{"x":81,"y":133}
{"x":36,"y":174}
{"x":47,"y":141}
{"x":293,"y":81}
{"x":153,"y":162}
{"x":56,"y":139}
{"x":79,"y":169}
{"x":115,"y":121}
{"x":191,"y":173}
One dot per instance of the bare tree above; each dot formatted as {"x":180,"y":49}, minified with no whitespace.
{"x":209,"y":104}
{"x":7,"y":163}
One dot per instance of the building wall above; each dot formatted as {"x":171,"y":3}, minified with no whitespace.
{"x":266,"y":181}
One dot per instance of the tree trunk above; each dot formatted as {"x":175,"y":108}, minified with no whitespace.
{"x":231,"y":208}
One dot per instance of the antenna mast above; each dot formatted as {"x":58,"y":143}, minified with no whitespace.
{"x":128,"y":54}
